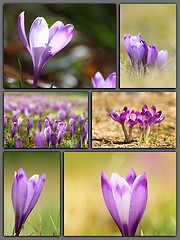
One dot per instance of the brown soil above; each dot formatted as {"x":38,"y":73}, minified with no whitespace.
{"x":107,"y":133}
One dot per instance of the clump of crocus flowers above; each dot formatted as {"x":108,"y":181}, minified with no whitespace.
{"x":126,"y":199}
{"x":140,"y":53}
{"x":25,"y":194}
{"x":99,"y":82}
{"x":146,"y":119}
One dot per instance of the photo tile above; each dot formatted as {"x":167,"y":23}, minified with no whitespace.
{"x":148,"y":46}
{"x":133,"y":120}
{"x":120,"y":193}
{"x":45,"y":120}
{"x":31,"y":194}
{"x":59,"y":45}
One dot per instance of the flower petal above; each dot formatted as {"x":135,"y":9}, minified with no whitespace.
{"x":37,"y":191}
{"x":98,"y":81}
{"x":38,"y":39}
{"x":138,"y":202}
{"x":21,"y":31}
{"x":122,"y":195}
{"x":111,"y":81}
{"x":131,"y":176}
{"x":19,"y":196}
{"x":109,"y":198}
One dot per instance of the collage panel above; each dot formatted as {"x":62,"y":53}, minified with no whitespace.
{"x":59,"y":45}
{"x":120,"y":193}
{"x":134,"y":120}
{"x":148,"y":45}
{"x":31,"y":194}
{"x":45,"y":120}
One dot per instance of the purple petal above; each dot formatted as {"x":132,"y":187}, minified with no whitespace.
{"x":111,"y":81}
{"x":109,"y":198}
{"x":38,"y":186}
{"x":98,"y":81}
{"x":131,"y":176}
{"x":19,"y":196}
{"x":21,"y":31}
{"x":138,"y":202}
{"x":162,"y":58}
{"x":152,"y":55}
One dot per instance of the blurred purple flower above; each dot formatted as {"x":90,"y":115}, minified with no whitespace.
{"x":19,"y":142}
{"x":125,"y":199}
{"x":19,"y":122}
{"x":29,"y":124}
{"x":62,"y":126}
{"x":162,"y":58}
{"x":152,"y":55}
{"x":81,"y":118}
{"x":25,"y":194}
{"x":78,"y":144}
{"x":46,"y":123}
{"x":39,"y":139}
{"x":85,"y":132}
{"x":40,"y":125}
{"x":99,"y":82}
{"x":44,"y":42}
{"x":72,"y":123}
{"x":47,"y":134}
{"x":55,"y":123}
{"x":13,"y":129}
{"x":5,"y":121}
{"x":53,"y":139}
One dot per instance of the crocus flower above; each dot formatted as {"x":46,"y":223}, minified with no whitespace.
{"x":85,"y":132}
{"x":78,"y":144}
{"x":99,"y":82}
{"x":5,"y":121}
{"x":25,"y":194}
{"x":81,"y":118}
{"x":152,"y":55}
{"x":53,"y":139}
{"x":72,"y":123}
{"x":137,"y":50}
{"x":19,"y":142}
{"x":19,"y":122}
{"x":44,"y":42}
{"x":120,"y":116}
{"x":61,"y":130}
{"x":29,"y":124}
{"x":47,"y":134}
{"x":13,"y":129}
{"x":162,"y":58}
{"x":125,"y":199}
{"x":14,"y":117}
{"x":46,"y":123}
{"x":40,"y":125}
{"x":55,"y":123}
{"x":39,"y":139}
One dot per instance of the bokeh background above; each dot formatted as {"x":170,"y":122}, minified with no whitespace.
{"x":85,"y":213}
{"x":157,"y":25}
{"x":107,"y":133}
{"x":92,"y":48}
{"x":45,"y":216}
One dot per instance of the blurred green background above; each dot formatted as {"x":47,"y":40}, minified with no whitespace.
{"x":46,"y":212}
{"x":85,"y":212}
{"x":157,"y":25}
{"x":92,"y":48}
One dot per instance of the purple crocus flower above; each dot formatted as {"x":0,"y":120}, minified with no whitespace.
{"x":72,"y":123}
{"x":125,"y":199}
{"x":137,"y":50}
{"x":39,"y":139}
{"x":81,"y":118}
{"x":162,"y":58}
{"x":29,"y":124}
{"x":47,"y":133}
{"x":44,"y":42}
{"x":14,"y":117}
{"x":152,"y":55}
{"x":85,"y":132}
{"x":19,"y":122}
{"x":99,"y":82}
{"x":40,"y":125}
{"x":5,"y":121}
{"x":19,"y":142}
{"x":13,"y":129}
{"x":53,"y":139}
{"x":55,"y":124}
{"x":46,"y":123}
{"x":61,"y":130}
{"x":78,"y":144}
{"x":25,"y":194}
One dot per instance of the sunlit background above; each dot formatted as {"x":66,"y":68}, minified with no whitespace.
{"x":92,"y":48}
{"x":157,"y":25}
{"x":85,"y":212}
{"x":45,"y":217}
